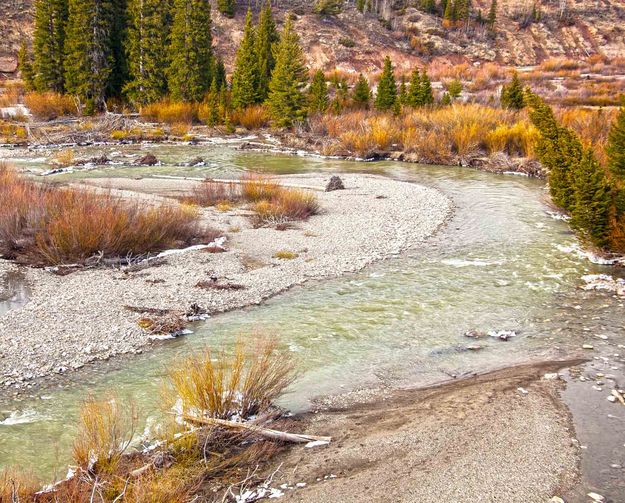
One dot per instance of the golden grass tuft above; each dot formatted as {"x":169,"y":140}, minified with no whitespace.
{"x":285,"y":255}
{"x":105,"y":431}
{"x":254,"y":117}
{"x":49,"y":105}
{"x":16,"y":485}
{"x":224,"y":386}
{"x":171,"y":112}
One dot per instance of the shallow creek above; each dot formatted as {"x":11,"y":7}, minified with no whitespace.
{"x":503,"y":262}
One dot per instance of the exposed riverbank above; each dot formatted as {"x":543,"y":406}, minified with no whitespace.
{"x":477,"y":439}
{"x":72,"y":320}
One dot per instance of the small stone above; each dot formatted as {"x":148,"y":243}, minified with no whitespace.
{"x":611,"y":399}
{"x":596,"y":497}
{"x":523,"y":391}
{"x":588,"y":346}
{"x":556,"y":499}
{"x":474,"y":347}
{"x":551,"y":376}
{"x":335,"y":183}
{"x":147,"y":160}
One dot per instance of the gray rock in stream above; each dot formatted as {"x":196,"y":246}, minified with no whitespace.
{"x":335,"y":183}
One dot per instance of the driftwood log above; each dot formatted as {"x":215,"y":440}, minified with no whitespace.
{"x":282,"y":436}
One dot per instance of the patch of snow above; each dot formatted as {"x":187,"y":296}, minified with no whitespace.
{"x":316,"y":443}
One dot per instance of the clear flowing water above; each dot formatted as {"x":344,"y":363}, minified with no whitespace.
{"x":500,"y":263}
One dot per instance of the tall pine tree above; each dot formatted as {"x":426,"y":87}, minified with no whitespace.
{"x":415,"y":95}
{"x":245,"y":78}
{"x":591,"y":205}
{"x":361,"y":94}
{"x":89,"y":58}
{"x":287,"y":102}
{"x":191,"y":52}
{"x":318,"y":93}
{"x":25,"y":64}
{"x":512,"y":95}
{"x":49,"y":45}
{"x":386,"y":97}
{"x":148,"y":33}
{"x":118,"y":40}
{"x":615,"y":147}
{"x":558,"y":149}
{"x":427,"y":95}
{"x":266,"y":39}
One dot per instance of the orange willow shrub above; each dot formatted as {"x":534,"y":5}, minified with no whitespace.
{"x":170,"y":112}
{"x":49,"y":105}
{"x":48,"y":225}
{"x":253,"y":117}
{"x":434,"y":134}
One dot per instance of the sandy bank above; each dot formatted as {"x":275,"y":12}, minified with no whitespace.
{"x":73,"y":320}
{"x":478,"y":440}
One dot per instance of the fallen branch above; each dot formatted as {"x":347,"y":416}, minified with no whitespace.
{"x":297,"y":438}
{"x":618,"y":396}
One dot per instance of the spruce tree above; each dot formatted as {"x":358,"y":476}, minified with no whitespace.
{"x":387,"y":88}
{"x":25,"y":65}
{"x":558,"y":149}
{"x":403,"y":91}
{"x":266,"y":39}
{"x":286,"y":98}
{"x":361,"y":94}
{"x":227,"y":7}
{"x":448,"y":14}
{"x":591,"y":209}
{"x":318,"y":93}
{"x":446,"y":100}
{"x":512,"y":95}
{"x":415,"y":95}
{"x":427,"y":95}
{"x":89,"y":58}
{"x":118,"y":41}
{"x":219,"y":75}
{"x":615,"y":147}
{"x":492,"y":15}
{"x":147,"y":50}
{"x":361,"y":4}
{"x":49,"y":44}
{"x":245,"y":77}
{"x":191,"y":52}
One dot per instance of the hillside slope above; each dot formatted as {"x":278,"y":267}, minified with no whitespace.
{"x":352,"y":41}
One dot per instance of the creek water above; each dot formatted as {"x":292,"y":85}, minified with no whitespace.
{"x":503,"y":262}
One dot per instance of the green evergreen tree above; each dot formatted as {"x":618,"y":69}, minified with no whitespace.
{"x":591,"y":209}
{"x":245,"y":77}
{"x":147,"y":50}
{"x":89,"y":58}
{"x":415,"y":92}
{"x":428,"y":6}
{"x":454,"y":88}
{"x":492,"y":14}
{"x":49,"y":44}
{"x":219,"y":75}
{"x":615,"y":147}
{"x":446,"y":100}
{"x":403,"y":91}
{"x":341,"y":94}
{"x":387,"y":88}
{"x":227,"y":7}
{"x":361,"y":4}
{"x":25,"y":65}
{"x":427,"y":95}
{"x":118,"y":40}
{"x":512,"y":95}
{"x":448,"y":14}
{"x":558,"y":149}
{"x":318,"y":93}
{"x":286,"y":101}
{"x":266,"y":39}
{"x":361,"y":94}
{"x":191,"y":52}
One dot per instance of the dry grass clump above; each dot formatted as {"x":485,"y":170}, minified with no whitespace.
{"x":49,"y":105}
{"x":213,"y":193}
{"x":254,"y":117}
{"x":12,"y":133}
{"x":257,"y":187}
{"x":226,"y":386}
{"x":50,"y":225}
{"x":286,"y":206}
{"x":170,"y":112}
{"x":11,"y":94}
{"x":285,"y":255}
{"x":105,"y":431}
{"x":437,"y":135}
{"x":64,"y":158}
{"x":16,"y":485}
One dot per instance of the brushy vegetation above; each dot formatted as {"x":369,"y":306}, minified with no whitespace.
{"x":49,"y":105}
{"x":50,"y":225}
{"x":188,"y":462}
{"x":223,"y":386}
{"x":271,"y":203}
